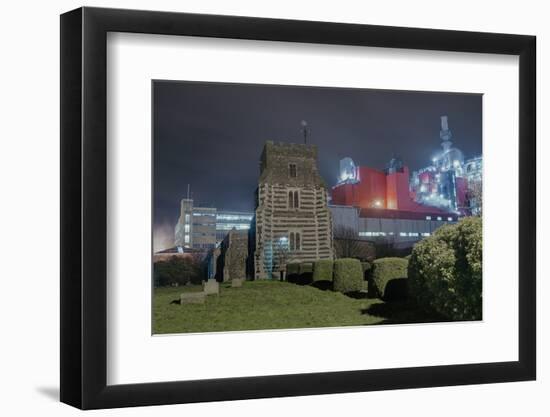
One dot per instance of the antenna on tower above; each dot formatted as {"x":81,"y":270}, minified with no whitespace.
{"x":188,"y":190}
{"x":303,"y":123}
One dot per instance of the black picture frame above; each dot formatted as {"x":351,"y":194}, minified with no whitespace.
{"x":84,"y":207}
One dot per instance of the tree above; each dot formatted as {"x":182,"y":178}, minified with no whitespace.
{"x":177,"y":270}
{"x":281,"y":255}
{"x":347,"y":245}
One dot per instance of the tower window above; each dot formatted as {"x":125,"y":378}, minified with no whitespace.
{"x":293,"y":199}
{"x":292,"y":170}
{"x":294,"y":241}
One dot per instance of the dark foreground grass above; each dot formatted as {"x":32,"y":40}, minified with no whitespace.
{"x":261,"y":305}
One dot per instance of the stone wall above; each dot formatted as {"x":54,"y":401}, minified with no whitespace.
{"x":233,"y":257}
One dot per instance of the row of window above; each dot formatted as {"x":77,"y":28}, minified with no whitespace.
{"x":402,"y":234}
{"x":230,"y":226}
{"x":234,"y":217}
{"x":439,"y":218}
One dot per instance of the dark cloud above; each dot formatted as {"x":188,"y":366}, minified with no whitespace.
{"x":210,"y":135}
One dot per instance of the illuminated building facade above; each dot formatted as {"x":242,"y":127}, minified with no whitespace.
{"x":390,"y":204}
{"x":206,"y":227}
{"x":231,"y":220}
{"x":292,"y":221}
{"x":450,"y":182}
{"x":377,"y":205}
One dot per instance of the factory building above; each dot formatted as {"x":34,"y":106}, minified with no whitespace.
{"x":450,"y":182}
{"x":395,"y":206}
{"x":377,"y":205}
{"x":292,"y":220}
{"x":205,"y":227}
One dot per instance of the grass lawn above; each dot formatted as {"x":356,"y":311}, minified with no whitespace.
{"x":273,"y":305}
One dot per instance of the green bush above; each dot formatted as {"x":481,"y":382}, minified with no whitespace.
{"x":384,"y":272}
{"x":322,"y":270}
{"x":177,"y":270}
{"x":445,"y":270}
{"x":292,"y":272}
{"x":306,"y":268}
{"x":348,"y":275}
{"x":306,"y":273}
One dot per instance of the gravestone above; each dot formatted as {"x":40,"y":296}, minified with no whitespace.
{"x":193,"y":297}
{"x":211,"y":287}
{"x":237,"y":282}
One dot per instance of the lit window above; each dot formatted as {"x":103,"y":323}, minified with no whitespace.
{"x":292,"y":170}
{"x":428,"y":217}
{"x":439,"y":218}
{"x":402,"y":234}
{"x":187,"y":218}
{"x":186,"y":228}
{"x":186,"y":239}
{"x":425,"y":234}
{"x":450,"y":219}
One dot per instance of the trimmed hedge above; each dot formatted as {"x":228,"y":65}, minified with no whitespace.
{"x":292,"y":272}
{"x":306,"y":268}
{"x":445,"y":270}
{"x":348,"y":275}
{"x":322,"y":270}
{"x":385,"y":275}
{"x":306,"y":273}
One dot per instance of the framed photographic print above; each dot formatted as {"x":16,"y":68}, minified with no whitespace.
{"x":258,"y":208}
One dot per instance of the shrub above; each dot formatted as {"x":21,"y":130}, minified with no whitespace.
{"x":348,"y":275}
{"x":445,"y":270}
{"x":177,"y":270}
{"x":292,"y":272}
{"x":388,"y":278}
{"x":306,"y":273}
{"x":322,"y":270}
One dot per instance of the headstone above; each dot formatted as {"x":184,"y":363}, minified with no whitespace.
{"x":193,"y":297}
{"x":211,"y":287}
{"x":237,"y":282}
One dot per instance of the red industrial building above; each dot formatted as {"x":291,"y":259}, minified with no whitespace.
{"x":378,"y":203}
{"x":375,"y":191}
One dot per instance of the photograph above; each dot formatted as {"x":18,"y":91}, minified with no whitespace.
{"x":293,"y":207}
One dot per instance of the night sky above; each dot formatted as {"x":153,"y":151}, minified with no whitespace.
{"x":210,"y":135}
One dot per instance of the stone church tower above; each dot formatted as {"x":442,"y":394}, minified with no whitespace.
{"x":292,"y":221}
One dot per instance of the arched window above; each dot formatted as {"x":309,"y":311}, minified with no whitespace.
{"x":292,"y":170}
{"x":293,"y":199}
{"x":294,"y":241}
